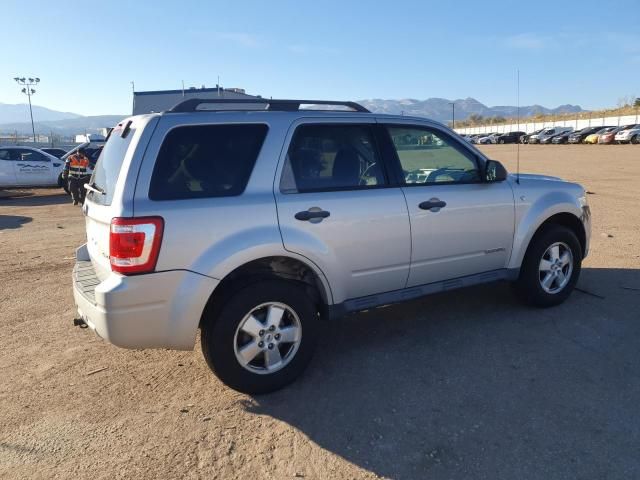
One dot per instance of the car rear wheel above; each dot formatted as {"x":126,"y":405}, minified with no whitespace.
{"x":551,"y":267}
{"x":263,"y":337}
{"x":635,"y":139}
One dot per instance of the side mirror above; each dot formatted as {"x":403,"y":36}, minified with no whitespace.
{"x":494,"y":171}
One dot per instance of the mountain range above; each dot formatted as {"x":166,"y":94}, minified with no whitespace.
{"x":15,"y":118}
{"x":440,"y":108}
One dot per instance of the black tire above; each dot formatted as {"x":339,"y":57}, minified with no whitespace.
{"x":635,"y":139}
{"x":501,"y":142}
{"x":528,"y":286}
{"x":219,"y":330}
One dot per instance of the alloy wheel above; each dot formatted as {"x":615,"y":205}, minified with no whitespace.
{"x":556,"y":267}
{"x":267,"y":338}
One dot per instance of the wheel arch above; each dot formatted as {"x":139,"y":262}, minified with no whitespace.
{"x":271,"y":267}
{"x":565,"y":219}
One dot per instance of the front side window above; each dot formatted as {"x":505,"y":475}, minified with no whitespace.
{"x":206,"y":161}
{"x":428,"y":157}
{"x":332,"y":157}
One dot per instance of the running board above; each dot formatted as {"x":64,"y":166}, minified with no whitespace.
{"x":411,"y":293}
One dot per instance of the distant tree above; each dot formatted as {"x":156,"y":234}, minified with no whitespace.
{"x":637,"y":102}
{"x":475,"y":118}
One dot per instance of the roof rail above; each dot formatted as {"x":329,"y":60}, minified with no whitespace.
{"x":192,"y":104}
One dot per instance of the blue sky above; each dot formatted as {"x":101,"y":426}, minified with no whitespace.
{"x":87,"y":53}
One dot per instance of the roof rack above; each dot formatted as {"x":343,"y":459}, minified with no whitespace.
{"x":192,"y":104}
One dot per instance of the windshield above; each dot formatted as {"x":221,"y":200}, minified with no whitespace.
{"x":108,"y":166}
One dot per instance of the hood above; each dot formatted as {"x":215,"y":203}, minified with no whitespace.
{"x":533,"y":176}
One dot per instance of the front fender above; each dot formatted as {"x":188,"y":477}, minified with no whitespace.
{"x":530,"y":215}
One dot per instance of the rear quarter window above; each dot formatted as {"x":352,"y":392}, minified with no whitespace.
{"x":108,"y":166}
{"x":206,"y":161}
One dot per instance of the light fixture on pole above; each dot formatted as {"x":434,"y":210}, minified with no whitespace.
{"x":27,"y":84}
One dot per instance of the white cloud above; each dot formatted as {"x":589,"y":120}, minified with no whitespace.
{"x":301,"y":49}
{"x":241,"y":38}
{"x":527,"y":41}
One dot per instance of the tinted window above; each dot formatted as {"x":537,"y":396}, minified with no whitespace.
{"x":107,"y":170}
{"x":429,"y":157}
{"x":7,"y":154}
{"x":31,"y":156}
{"x":332,"y":157}
{"x":206,"y":161}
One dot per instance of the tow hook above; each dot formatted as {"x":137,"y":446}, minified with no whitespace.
{"x":79,"y":322}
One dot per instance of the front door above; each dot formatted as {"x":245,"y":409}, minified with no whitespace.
{"x":33,"y":168}
{"x":336,"y":207}
{"x":459,"y":225}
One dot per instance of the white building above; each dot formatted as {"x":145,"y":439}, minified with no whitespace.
{"x":161,"y":100}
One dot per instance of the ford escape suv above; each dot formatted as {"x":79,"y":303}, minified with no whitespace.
{"x":257,"y":222}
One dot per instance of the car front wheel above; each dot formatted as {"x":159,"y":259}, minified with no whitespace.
{"x":551,"y":267}
{"x":263,"y":337}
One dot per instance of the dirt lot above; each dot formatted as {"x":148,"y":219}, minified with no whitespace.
{"x":467,"y":384}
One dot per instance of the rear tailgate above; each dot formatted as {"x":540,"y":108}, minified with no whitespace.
{"x":112,"y":183}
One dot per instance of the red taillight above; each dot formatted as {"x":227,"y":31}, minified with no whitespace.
{"x":134,"y":244}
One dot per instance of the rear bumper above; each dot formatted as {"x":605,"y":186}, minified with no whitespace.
{"x":156,"y":310}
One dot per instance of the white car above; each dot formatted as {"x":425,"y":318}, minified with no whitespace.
{"x":492,"y":138}
{"x":28,"y":167}
{"x":630,"y":135}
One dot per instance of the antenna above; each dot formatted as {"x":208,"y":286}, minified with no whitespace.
{"x":518,"y":117}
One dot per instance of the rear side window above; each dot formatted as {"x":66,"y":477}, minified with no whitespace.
{"x":107,"y":169}
{"x":332,"y":157}
{"x":206,"y":161}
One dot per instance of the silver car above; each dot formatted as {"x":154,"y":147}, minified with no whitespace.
{"x":258,"y":222}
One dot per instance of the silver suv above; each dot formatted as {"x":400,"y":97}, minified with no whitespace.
{"x":257,"y":222}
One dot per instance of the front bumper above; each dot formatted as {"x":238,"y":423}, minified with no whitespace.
{"x":586,"y":223}
{"x":156,"y":310}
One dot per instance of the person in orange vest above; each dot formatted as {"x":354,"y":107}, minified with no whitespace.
{"x":78,"y":168}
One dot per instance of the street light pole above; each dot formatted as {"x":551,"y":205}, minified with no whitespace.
{"x":27,"y":83}
{"x":453,"y":115}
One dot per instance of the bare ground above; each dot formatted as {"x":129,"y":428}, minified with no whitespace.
{"x":467,"y":384}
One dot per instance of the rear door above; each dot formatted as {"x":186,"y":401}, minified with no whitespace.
{"x":460,"y":225}
{"x":337,"y":207}
{"x":33,"y":168}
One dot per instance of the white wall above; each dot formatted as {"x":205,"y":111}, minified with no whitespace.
{"x":531,"y":126}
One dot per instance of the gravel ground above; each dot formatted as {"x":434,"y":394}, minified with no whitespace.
{"x":467,"y":384}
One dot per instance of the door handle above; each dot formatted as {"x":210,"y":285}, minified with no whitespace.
{"x":433,"y":204}
{"x":310,"y":214}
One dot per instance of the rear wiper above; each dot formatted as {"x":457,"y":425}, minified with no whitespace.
{"x":94,"y":188}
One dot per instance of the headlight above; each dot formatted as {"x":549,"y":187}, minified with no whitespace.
{"x":582,"y":201}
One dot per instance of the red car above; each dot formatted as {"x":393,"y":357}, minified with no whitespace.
{"x":608,"y":138}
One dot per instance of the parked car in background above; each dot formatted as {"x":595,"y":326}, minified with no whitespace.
{"x":527,"y":137}
{"x":609,"y":137}
{"x":29,"y":167}
{"x":548,"y":132}
{"x":593,"y":138}
{"x":579,"y":136}
{"x":549,"y":139}
{"x":561,"y":138}
{"x":511,"y":137}
{"x":56,"y":152}
{"x":490,"y":138}
{"x":628,"y":135}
